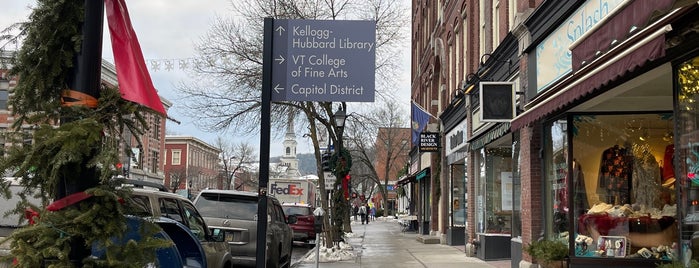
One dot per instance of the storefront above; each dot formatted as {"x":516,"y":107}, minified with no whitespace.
{"x":493,"y":180}
{"x":423,"y":188}
{"x":490,"y":167}
{"x":456,"y":152}
{"x":616,"y":134}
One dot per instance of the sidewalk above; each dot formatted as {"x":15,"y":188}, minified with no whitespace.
{"x":382,"y":244}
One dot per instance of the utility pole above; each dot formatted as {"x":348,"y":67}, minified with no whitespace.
{"x":83,"y":90}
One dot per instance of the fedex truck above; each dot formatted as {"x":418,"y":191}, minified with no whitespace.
{"x":293,"y":191}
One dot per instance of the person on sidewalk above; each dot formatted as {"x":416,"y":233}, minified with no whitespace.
{"x":355,"y":211}
{"x":362,"y":214}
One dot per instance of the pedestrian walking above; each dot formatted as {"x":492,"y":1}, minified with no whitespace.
{"x":355,"y":211}
{"x":362,"y":214}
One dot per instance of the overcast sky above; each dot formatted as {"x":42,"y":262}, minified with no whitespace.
{"x":167,"y":30}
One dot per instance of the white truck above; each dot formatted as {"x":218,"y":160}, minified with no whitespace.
{"x":293,"y":191}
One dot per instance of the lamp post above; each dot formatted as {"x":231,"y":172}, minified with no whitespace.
{"x":341,"y":166}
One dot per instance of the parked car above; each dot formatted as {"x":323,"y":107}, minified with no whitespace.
{"x":303,"y":228}
{"x":10,"y":222}
{"x":235,"y":213}
{"x":153,"y":202}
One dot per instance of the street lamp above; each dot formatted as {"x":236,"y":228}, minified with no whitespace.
{"x":339,"y":118}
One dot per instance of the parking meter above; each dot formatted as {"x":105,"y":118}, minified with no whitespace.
{"x":318,"y":222}
{"x":317,"y":228}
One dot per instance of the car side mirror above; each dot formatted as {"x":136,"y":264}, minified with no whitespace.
{"x":218,"y":235}
{"x":291,"y":219}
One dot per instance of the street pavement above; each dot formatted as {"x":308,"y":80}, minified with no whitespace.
{"x":382,"y":244}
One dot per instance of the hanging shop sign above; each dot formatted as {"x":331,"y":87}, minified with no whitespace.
{"x":429,"y":142}
{"x":497,"y":101}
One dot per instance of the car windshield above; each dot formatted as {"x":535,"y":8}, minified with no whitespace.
{"x":214,"y":205}
{"x":292,"y":210}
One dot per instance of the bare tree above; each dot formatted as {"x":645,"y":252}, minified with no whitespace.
{"x":387,"y":127}
{"x":233,"y":157}
{"x":227,"y":94}
{"x":178,"y":176}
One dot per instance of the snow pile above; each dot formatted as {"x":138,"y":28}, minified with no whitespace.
{"x":341,"y":252}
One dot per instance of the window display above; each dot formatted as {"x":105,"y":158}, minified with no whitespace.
{"x":458,"y":196}
{"x":688,"y":156}
{"x":495,"y":196}
{"x":624,"y":199}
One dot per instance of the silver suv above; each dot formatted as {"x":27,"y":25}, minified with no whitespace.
{"x":235,"y":213}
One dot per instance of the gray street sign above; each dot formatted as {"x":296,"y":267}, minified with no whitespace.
{"x":323,"y":60}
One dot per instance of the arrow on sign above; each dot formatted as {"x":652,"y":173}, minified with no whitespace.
{"x":277,"y":88}
{"x":280,"y":59}
{"x":280,"y":29}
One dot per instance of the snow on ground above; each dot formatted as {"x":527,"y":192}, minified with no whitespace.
{"x":343,"y":251}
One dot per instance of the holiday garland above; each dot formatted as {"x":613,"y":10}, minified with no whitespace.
{"x":86,"y":138}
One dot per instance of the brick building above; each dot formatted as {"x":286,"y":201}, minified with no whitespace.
{"x":537,"y":107}
{"x":392,"y":148}
{"x":146,"y":163}
{"x":191,"y":165}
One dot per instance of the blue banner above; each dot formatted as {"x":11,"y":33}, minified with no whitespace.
{"x":420,"y":118}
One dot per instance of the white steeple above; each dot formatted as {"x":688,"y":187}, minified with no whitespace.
{"x":289,"y":155}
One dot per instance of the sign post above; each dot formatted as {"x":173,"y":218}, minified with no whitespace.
{"x":310,"y":60}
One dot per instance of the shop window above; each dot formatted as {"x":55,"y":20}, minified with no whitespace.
{"x":622,"y":190}
{"x":556,"y":180}
{"x":458,"y":196}
{"x":687,"y":170}
{"x":494,"y":200}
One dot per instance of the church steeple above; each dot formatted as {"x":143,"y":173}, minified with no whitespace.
{"x":289,"y":155}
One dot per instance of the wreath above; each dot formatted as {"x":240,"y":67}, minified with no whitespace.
{"x":341,"y":162}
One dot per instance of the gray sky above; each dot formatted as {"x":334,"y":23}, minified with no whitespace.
{"x":167,"y":30}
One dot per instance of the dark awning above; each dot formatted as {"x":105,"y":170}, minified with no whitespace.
{"x":637,"y":14}
{"x":644,"y":46}
{"x":405,"y":179}
{"x":490,"y":135}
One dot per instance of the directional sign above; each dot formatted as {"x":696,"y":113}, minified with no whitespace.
{"x":323,"y":60}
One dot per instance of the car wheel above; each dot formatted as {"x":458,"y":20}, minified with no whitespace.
{"x":273,"y":260}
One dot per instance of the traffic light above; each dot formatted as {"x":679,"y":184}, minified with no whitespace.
{"x":325,"y":161}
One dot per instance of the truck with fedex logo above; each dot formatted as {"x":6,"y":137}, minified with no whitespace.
{"x":293,"y":191}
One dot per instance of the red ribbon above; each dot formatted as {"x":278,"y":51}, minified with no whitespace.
{"x":67,"y":201}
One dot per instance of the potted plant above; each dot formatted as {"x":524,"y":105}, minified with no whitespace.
{"x":548,"y":253}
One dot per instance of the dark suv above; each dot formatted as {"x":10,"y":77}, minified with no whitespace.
{"x":150,"y":202}
{"x":303,"y":228}
{"x":235,"y":213}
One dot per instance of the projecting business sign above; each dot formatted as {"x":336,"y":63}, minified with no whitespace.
{"x":429,"y":142}
{"x":321,"y":60}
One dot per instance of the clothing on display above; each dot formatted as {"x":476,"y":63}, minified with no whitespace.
{"x":615,"y":175}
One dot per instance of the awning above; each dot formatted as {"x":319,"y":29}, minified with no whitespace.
{"x":492,"y":134}
{"x":405,"y":179}
{"x":614,"y":30}
{"x":645,"y":46}
{"x":422,"y":174}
